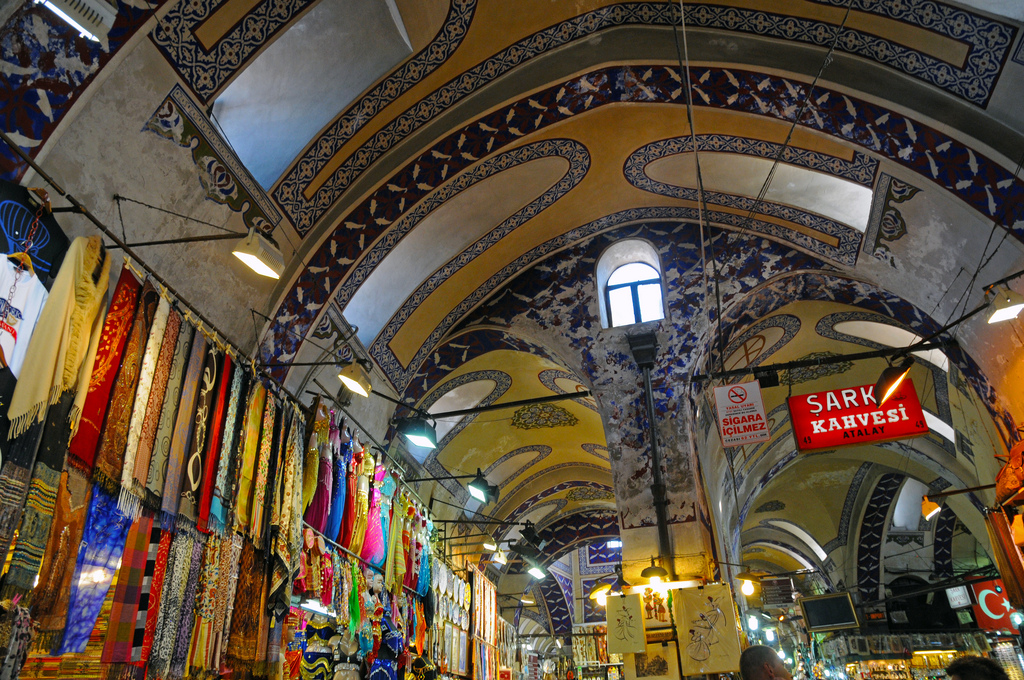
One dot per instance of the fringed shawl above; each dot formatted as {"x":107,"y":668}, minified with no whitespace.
{"x":220,"y":502}
{"x":151,"y":421}
{"x":182,"y":432}
{"x":250,"y":449}
{"x":157,"y":473}
{"x":286,"y":529}
{"x":195,"y":464}
{"x":108,"y":359}
{"x":130,"y":501}
{"x":246,"y":617}
{"x":213,"y":445}
{"x":172,"y":596}
{"x":114,"y":441}
{"x":263,"y":472}
{"x":63,"y":346}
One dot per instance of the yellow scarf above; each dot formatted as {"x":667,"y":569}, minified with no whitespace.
{"x":63,"y":345}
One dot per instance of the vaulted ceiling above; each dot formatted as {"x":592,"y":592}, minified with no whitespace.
{"x":444,"y":180}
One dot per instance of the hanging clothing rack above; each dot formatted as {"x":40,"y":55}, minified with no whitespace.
{"x":78,"y":207}
{"x":353,"y":555}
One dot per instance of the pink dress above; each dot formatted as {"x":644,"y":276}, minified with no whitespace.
{"x":320,"y":506}
{"x":378,"y":519}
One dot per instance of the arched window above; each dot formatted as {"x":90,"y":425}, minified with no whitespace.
{"x":634,"y":294}
{"x":630,"y":285}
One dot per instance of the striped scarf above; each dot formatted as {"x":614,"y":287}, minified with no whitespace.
{"x":157,"y":473}
{"x":182,"y":432}
{"x":117,"y":647}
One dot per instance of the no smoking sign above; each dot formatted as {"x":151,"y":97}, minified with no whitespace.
{"x":741,"y":418}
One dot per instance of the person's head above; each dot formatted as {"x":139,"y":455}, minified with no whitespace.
{"x":759,"y":662}
{"x":975,"y":668}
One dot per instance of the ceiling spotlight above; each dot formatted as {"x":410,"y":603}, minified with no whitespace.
{"x":536,"y":572}
{"x":929,"y":508}
{"x":418,"y":431}
{"x":530,"y":535}
{"x":501,"y":558}
{"x":613,"y":543}
{"x":1007,"y":305}
{"x":526,"y":599}
{"x":481,"y":490}
{"x":600,"y":593}
{"x":490,"y":543}
{"x":654,"y":574}
{"x":769,"y":635}
{"x":558,"y":641}
{"x":356,"y":378}
{"x":620,"y":581}
{"x":890,"y":380}
{"x":752,"y":622}
{"x":261,"y":254}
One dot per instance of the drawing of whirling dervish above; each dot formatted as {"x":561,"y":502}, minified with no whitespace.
{"x":705,"y":633}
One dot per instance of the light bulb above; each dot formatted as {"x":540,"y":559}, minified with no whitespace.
{"x":747,"y":588}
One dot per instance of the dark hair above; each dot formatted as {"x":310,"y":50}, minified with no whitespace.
{"x":976,"y":668}
{"x":753,"y":659}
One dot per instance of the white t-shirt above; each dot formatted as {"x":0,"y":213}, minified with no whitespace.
{"x":18,"y":321}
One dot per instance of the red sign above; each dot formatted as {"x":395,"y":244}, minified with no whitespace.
{"x":993,"y":608}
{"x":847,"y":416}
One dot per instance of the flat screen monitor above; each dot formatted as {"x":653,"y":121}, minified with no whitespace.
{"x":828,"y":612}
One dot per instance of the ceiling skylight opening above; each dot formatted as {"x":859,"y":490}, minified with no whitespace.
{"x":891,"y":336}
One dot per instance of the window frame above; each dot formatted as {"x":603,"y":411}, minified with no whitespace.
{"x":634,"y":287}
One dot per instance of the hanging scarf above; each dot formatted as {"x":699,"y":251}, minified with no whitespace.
{"x":117,"y":648}
{"x":262,"y":472}
{"x":247,"y":469}
{"x":218,"y":520}
{"x":182,"y":432}
{"x":147,"y":598}
{"x":195,"y":463}
{"x":50,"y":597}
{"x":213,"y":445}
{"x":171,"y":602}
{"x":157,"y":473}
{"x":245,"y":618}
{"x":130,"y":501}
{"x":160,"y":569}
{"x":108,"y":358}
{"x":161,"y":376}
{"x":183,"y":636}
{"x":37,"y":514}
{"x":229,"y":584}
{"x":200,"y":653}
{"x":14,"y":477}
{"x":286,"y":529}
{"x":63,"y":347}
{"x":114,"y":440}
{"x":311,"y":461}
{"x":102,"y":544}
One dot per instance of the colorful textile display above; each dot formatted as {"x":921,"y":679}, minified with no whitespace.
{"x":250,"y":450}
{"x":195,"y":463}
{"x":50,"y":598}
{"x":155,"y":594}
{"x":364,"y":461}
{"x":114,"y":440}
{"x":172,"y":600}
{"x":341,"y":447}
{"x":262,"y":471}
{"x":182,"y":434}
{"x":66,"y":337}
{"x":285,"y":527}
{"x":213,"y":444}
{"x":183,"y":637}
{"x":121,"y":632}
{"x":130,"y":501}
{"x":311,"y":460}
{"x":320,"y":506}
{"x":20,"y":641}
{"x":245,"y":619}
{"x":108,"y":360}
{"x":375,"y":545}
{"x":156,"y":476}
{"x":219,"y":504}
{"x":102,"y":544}
{"x":147,"y":597}
{"x":151,"y":420}
{"x":200,"y":653}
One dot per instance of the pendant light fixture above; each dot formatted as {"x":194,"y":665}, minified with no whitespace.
{"x":356,"y":378}
{"x":261,"y":254}
{"x":654,"y":574}
{"x":929,"y":508}
{"x":1007,"y":304}
{"x":481,"y":490}
{"x":418,"y":431}
{"x":891,"y":379}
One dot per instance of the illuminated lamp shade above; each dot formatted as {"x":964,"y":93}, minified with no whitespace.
{"x":654,"y":574}
{"x":418,"y":431}
{"x":600,"y":593}
{"x":536,"y":572}
{"x":752,"y":622}
{"x":930,"y":508}
{"x":261,"y":254}
{"x":91,"y":18}
{"x":1007,"y":305}
{"x":481,"y":490}
{"x":500,"y":557}
{"x":747,"y":588}
{"x":490,"y":543}
{"x":356,"y":378}
{"x":891,"y":379}
{"x":1017,"y":529}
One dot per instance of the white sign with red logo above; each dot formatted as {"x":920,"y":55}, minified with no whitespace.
{"x":741,"y":417}
{"x":993,"y":609}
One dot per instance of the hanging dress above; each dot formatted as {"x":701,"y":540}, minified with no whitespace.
{"x":348,"y":519}
{"x":376,"y":544}
{"x":316,"y":513}
{"x":339,"y":483}
{"x":363,"y":468}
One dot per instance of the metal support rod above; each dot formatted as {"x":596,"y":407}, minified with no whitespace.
{"x":825,"y":361}
{"x":183,"y":239}
{"x":129,"y":252}
{"x":943,"y":494}
{"x":511,"y":404}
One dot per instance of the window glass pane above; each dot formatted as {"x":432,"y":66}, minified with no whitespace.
{"x":651,"y":308}
{"x":634,"y":271}
{"x":620,"y":306}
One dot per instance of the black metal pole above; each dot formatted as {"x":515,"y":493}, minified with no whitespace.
{"x":183,"y":239}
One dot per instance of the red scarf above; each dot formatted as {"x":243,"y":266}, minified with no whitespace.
{"x":108,"y":358}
